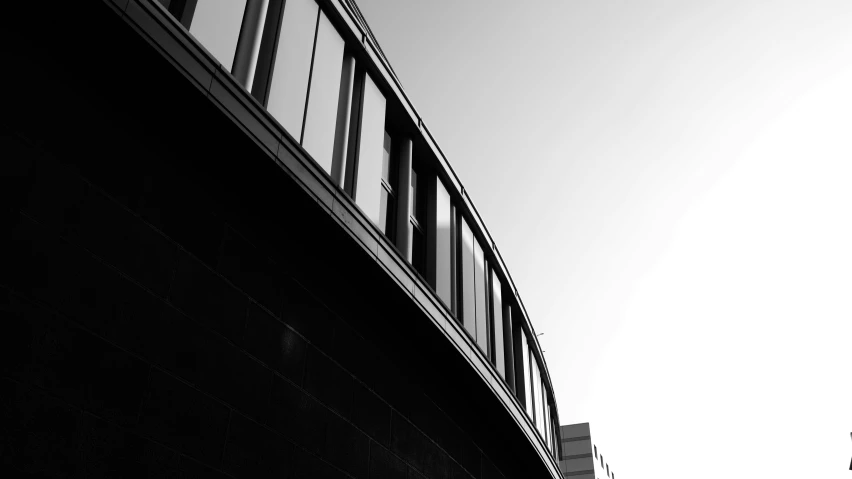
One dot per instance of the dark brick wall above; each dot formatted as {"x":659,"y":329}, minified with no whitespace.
{"x":124,"y":353}
{"x":174,"y":305}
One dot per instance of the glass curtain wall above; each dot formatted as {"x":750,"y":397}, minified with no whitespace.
{"x":537,"y":399}
{"x":417,"y":218}
{"x":528,"y":397}
{"x":443,"y":244}
{"x":371,"y":149}
{"x":542,"y":427}
{"x":324,"y":94}
{"x":288,"y":90}
{"x":216,"y":24}
{"x":547,"y":437}
{"x":387,"y":208}
{"x":468,"y":302}
{"x":497,"y":315}
{"x":305,"y":86}
{"x":481,"y":287}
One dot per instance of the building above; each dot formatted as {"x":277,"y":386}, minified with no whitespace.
{"x":580,"y":457}
{"x":232,"y":248}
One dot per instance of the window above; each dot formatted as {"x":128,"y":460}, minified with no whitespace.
{"x":607,"y":470}
{"x":518,"y":348}
{"x":481,"y":292}
{"x":596,"y":452}
{"x":510,"y":345}
{"x":387,"y":209}
{"x":498,"y":327}
{"x":418,"y":222}
{"x":542,"y":405}
{"x":216,"y":24}
{"x":537,"y":396}
{"x":468,"y":304}
{"x":323,"y":94}
{"x":370,"y":151}
{"x":547,"y":424}
{"x":288,"y":89}
{"x":443,"y":244}
{"x":525,"y":353}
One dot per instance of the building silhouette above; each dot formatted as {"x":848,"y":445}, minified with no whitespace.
{"x":579,"y":457}
{"x":232,"y":248}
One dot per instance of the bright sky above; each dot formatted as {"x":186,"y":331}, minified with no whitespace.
{"x":669,"y":183}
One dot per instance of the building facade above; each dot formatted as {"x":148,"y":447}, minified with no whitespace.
{"x":232,"y":248}
{"x":580,"y":457}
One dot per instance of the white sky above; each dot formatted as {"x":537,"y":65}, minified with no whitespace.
{"x":669,"y":183}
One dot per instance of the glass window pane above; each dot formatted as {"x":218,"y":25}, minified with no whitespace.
{"x":497,"y":308}
{"x":383,"y":210}
{"x":370,"y":148}
{"x":539,"y":410}
{"x":388,"y":210}
{"x":482,"y":332}
{"x":443,"y":244}
{"x":547,"y":425}
{"x":525,"y":354}
{"x":289,"y":87}
{"x":414,"y":195}
{"x":418,"y":250}
{"x":538,"y":399}
{"x":321,"y":119}
{"x":386,"y":155}
{"x":216,"y":24}
{"x":543,"y":409}
{"x":467,"y":292}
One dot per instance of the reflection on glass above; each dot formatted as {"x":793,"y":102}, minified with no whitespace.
{"x":370,"y":151}
{"x":481,"y":291}
{"x":418,"y":250}
{"x":388,"y":183}
{"x":527,"y":371}
{"x":216,"y":24}
{"x":536,"y":385}
{"x":539,"y":400}
{"x":443,"y":244}
{"x":467,"y":291}
{"x":321,"y":118}
{"x":386,"y":155}
{"x":289,"y":86}
{"x":383,"y":210}
{"x":497,"y":308}
{"x":547,"y":437}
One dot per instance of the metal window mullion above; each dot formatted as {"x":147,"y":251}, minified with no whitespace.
{"x":248,"y":42}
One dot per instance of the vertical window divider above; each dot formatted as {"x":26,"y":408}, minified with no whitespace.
{"x":268,"y":51}
{"x":403,"y":225}
{"x":248,"y":42}
{"x":344,"y":118}
{"x":453,"y":261}
{"x":428,"y":196}
{"x":457,"y":273}
{"x":354,"y":144}
{"x":489,"y":313}
{"x":532,"y":387}
{"x":509,"y":341}
{"x":310,"y":77}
